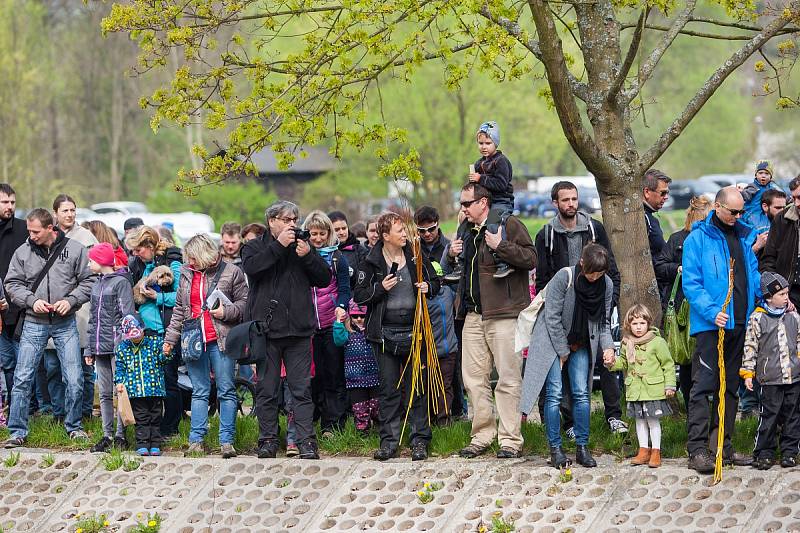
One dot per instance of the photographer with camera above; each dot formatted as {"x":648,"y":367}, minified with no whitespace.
{"x":211,"y":298}
{"x":282,"y":269}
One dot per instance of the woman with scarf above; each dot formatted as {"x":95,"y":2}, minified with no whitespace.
{"x":330,"y":304}
{"x":573,"y":329}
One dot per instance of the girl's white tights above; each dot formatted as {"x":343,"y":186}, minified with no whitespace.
{"x":654,"y":432}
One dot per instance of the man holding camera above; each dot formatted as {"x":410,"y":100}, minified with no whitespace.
{"x":282,"y":268}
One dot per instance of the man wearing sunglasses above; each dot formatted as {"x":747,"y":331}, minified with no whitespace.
{"x":707,"y":253}
{"x":655,"y":191}
{"x":433,"y":240}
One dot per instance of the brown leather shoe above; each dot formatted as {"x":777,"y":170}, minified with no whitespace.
{"x":655,"y":458}
{"x":642,"y":457}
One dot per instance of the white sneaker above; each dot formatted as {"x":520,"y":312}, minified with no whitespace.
{"x":617,"y":425}
{"x":570,"y":433}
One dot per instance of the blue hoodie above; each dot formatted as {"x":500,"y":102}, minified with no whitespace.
{"x":705,"y":273}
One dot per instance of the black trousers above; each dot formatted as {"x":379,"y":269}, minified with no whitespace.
{"x":295,"y":353}
{"x":328,"y":386}
{"x":779,"y":410}
{"x":457,"y":405}
{"x":442,"y":402}
{"x":686,"y":383}
{"x":147,"y":412}
{"x":392,"y":408}
{"x":173,"y":402}
{"x":703,"y":422}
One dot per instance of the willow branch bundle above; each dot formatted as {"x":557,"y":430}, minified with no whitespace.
{"x":721,"y":364}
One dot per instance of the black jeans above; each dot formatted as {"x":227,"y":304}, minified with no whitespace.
{"x":328,"y":385}
{"x":703,"y":423}
{"x":147,"y":412}
{"x":295,"y":352}
{"x":173,"y":402}
{"x":778,"y":410}
{"x":391,"y":404}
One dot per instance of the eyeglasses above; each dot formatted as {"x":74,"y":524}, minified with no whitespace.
{"x":466,"y":204}
{"x":287,"y":220}
{"x":429,"y":229}
{"x":733,"y":212}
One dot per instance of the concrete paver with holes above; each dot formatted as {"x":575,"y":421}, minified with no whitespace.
{"x":249,"y":495}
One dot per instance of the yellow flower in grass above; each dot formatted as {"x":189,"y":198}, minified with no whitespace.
{"x":151,"y":523}
{"x":421,"y":493}
{"x":79,"y":530}
{"x":106,"y":523}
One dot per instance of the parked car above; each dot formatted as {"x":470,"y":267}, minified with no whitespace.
{"x":185,"y":225}
{"x":121,"y":208}
{"x":589,"y":200}
{"x":682,"y":191}
{"x":527,"y":203}
{"x":724,"y":180}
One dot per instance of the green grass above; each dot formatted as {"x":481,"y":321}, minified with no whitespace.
{"x":447,"y":441}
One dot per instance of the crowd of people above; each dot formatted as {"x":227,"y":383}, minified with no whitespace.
{"x":337,"y":305}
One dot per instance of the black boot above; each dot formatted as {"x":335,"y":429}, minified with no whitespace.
{"x":558,"y":458}
{"x":584,"y":457}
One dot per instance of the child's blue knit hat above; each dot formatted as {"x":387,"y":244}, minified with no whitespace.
{"x":492,"y":130}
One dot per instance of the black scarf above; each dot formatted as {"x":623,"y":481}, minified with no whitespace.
{"x":590,"y":306}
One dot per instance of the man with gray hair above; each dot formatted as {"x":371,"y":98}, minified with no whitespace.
{"x":282,"y":268}
{"x":655,"y":191}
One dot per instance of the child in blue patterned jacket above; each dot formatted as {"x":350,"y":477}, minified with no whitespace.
{"x":360,"y":366}
{"x":140,"y":371}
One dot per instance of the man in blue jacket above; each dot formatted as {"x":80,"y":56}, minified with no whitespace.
{"x":707,"y":254}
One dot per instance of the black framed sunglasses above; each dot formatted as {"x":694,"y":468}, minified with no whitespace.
{"x":466,"y":204}
{"x":733,"y":212}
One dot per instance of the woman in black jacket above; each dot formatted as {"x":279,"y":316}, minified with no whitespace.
{"x":667,"y":266}
{"x":387,"y":284}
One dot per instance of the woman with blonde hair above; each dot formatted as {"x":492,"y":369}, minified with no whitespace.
{"x":668,"y":265}
{"x":330,"y":305}
{"x":210,"y":300}
{"x":150,"y":251}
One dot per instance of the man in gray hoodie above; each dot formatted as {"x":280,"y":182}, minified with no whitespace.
{"x":49,"y":312}
{"x":558,"y":244}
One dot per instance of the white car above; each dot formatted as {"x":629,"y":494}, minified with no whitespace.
{"x":122,"y":208}
{"x":185,"y":225}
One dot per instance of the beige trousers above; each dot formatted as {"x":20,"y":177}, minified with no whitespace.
{"x":487,"y":343}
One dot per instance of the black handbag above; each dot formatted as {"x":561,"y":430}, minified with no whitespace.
{"x":247,"y":342}
{"x":397,"y":340}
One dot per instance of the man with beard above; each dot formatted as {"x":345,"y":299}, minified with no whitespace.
{"x":773,"y":201}
{"x":231,"y":243}
{"x":559,"y":244}
{"x":13,"y":232}
{"x":354,"y":252}
{"x":781,"y":253}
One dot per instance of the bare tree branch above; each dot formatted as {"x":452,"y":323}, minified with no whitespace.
{"x":512,"y":27}
{"x":258,"y":16}
{"x":706,"y":35}
{"x":630,"y":56}
{"x":647,"y":68}
{"x":558,"y":77}
{"x":710,"y":86}
{"x":738,"y":25}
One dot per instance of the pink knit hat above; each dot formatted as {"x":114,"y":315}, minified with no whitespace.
{"x":102,"y":254}
{"x":356,"y":309}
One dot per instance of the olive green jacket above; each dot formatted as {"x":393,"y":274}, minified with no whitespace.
{"x":652,"y":372}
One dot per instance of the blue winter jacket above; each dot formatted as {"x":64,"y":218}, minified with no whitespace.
{"x":754,"y":216}
{"x":442,"y":312}
{"x":705,"y":273}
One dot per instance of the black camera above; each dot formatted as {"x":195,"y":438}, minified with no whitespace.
{"x":301,"y":234}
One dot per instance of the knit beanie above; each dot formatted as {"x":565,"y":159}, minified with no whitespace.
{"x":102,"y":254}
{"x":131,"y":328}
{"x":765,"y":164}
{"x":492,"y":130}
{"x":356,"y":309}
{"x":771,"y":283}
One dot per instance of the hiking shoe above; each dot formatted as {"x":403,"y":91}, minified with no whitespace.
{"x":737,"y":459}
{"x":268,"y":449}
{"x":121,"y":443}
{"x":384,"y":453}
{"x":764,"y":463}
{"x":617,"y":425}
{"x":227,"y":450}
{"x":702,"y":462}
{"x":789,"y":461}
{"x":13,"y":442}
{"x":144,"y":452}
{"x":78,"y":434}
{"x":102,"y":445}
{"x":195,"y":448}
{"x":503,"y":271}
{"x":155,"y":452}
{"x":419,"y":451}
{"x":472,"y":451}
{"x":570,"y":433}
{"x":507,"y":452}
{"x":308,"y":449}
{"x":292,"y":451}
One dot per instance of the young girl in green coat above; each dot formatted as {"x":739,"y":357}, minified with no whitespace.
{"x":649,"y":380}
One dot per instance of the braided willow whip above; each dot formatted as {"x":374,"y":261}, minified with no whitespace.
{"x":721,"y":364}
{"x":422,"y":332}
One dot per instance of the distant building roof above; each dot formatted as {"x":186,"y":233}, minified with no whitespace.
{"x":317,"y":161}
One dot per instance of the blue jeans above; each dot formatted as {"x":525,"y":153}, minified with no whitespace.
{"x":55,"y":385}
{"x":578,"y":371}
{"x":8,"y":357}
{"x":31,"y":347}
{"x":200,"y":374}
